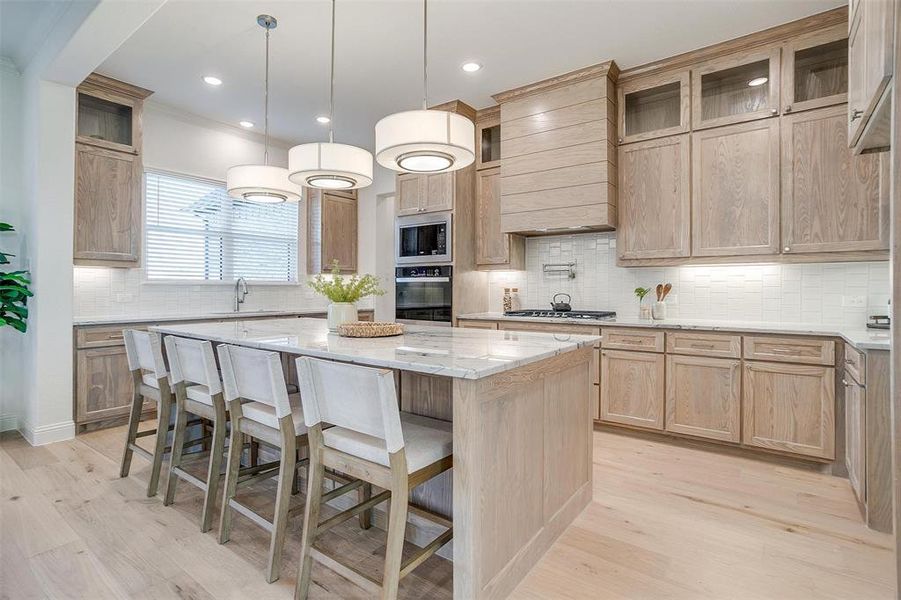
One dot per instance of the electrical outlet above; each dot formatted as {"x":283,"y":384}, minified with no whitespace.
{"x":125,"y":297}
{"x":854,"y":301}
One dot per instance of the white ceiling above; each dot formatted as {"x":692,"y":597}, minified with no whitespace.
{"x":24,"y":26}
{"x":379,"y":42}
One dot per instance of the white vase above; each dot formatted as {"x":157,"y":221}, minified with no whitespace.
{"x":659,"y":310}
{"x":341,"y":312}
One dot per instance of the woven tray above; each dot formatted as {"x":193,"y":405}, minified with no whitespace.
{"x":368,"y":329}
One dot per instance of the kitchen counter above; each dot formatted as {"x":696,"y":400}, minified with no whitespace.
{"x":117,"y":319}
{"x":448,"y":351}
{"x":859,"y":337}
{"x":520,"y":410}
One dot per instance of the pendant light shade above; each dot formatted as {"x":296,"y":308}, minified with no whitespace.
{"x":425,"y":141}
{"x":327,"y":165}
{"x":262,"y":183}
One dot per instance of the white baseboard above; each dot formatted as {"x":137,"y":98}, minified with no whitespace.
{"x":47,"y":434}
{"x":9,"y":421}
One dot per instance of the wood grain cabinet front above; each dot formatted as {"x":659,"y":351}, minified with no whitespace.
{"x":703,"y":397}
{"x":855,"y":435}
{"x":105,"y":385}
{"x":632,"y":388}
{"x":815,"y":70}
{"x":331,"y":232}
{"x":736,"y":88}
{"x":494,"y":249}
{"x":417,"y":194}
{"x":789,"y":408}
{"x":654,"y":106}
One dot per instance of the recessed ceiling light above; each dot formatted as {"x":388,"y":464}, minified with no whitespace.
{"x":246,"y":124}
{"x":757,"y":81}
{"x":471,"y":67}
{"x":212,"y":80}
{"x":323,"y":119}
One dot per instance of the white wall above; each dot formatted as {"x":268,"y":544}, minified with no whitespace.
{"x":810,"y":293}
{"x":12,"y":210}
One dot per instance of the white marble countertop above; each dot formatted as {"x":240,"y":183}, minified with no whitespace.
{"x":859,"y":337}
{"x":114,"y":320}
{"x":449,"y":351}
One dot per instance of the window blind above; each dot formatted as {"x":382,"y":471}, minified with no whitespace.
{"x":195,"y":231}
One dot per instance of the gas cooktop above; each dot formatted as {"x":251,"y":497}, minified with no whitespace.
{"x":558,"y":314}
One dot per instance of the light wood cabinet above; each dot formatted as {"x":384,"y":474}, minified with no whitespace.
{"x":735,"y":189}
{"x":107,"y":206}
{"x":736,"y":88}
{"x":790,"y":408}
{"x":331,"y":231}
{"x":654,"y":106}
{"x":494,"y":249}
{"x":477,"y":324}
{"x":418,"y":194}
{"x":815,"y":70}
{"x":703,"y":397}
{"x":832,"y":201}
{"x":105,"y":386}
{"x":855,"y":436}
{"x":632,"y":388}
{"x":655,"y":199}
{"x":488,"y":138}
{"x":871,"y":61}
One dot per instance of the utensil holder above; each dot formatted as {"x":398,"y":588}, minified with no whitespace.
{"x":659,"y":310}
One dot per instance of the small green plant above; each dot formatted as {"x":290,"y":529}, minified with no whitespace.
{"x":641,"y":292}
{"x":338,"y":289}
{"x":14,"y":292}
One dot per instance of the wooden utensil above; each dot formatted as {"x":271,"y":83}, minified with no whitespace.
{"x":659,"y":291}
{"x":666,"y":290}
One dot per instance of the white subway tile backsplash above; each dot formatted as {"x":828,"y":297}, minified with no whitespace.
{"x":807,"y":293}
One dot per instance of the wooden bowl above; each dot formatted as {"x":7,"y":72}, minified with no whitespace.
{"x":370,"y":329}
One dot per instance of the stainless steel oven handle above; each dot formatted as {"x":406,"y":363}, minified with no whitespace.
{"x":417,"y":279}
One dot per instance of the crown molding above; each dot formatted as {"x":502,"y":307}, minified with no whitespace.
{"x":604,"y":69}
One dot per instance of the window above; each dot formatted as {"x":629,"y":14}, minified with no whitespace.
{"x":195,"y":231}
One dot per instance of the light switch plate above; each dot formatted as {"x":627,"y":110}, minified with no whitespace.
{"x":854,"y":301}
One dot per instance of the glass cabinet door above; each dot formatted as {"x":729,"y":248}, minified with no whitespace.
{"x":737,"y":88}
{"x":104,"y":121}
{"x":815,"y":70}
{"x":488,"y":144}
{"x":653,"y":107}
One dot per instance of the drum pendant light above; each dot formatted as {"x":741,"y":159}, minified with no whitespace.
{"x":265,"y":182}
{"x":329,"y":165}
{"x":425,"y":141}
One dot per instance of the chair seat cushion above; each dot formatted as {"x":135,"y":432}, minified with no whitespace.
{"x":200,"y":393}
{"x":425,"y":441}
{"x":265,"y":414}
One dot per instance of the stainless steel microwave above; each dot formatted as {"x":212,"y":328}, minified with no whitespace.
{"x":423,"y":239}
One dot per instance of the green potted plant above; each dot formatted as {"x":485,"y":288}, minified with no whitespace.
{"x":344,"y":294}
{"x":14,"y":292}
{"x":644,"y":312}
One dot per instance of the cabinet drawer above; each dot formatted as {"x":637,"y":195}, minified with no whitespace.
{"x":703,"y":344}
{"x":632,"y":339}
{"x":549,"y":328}
{"x":855,"y":364}
{"x":101,"y":336}
{"x":477,"y":324}
{"x":796,"y":350}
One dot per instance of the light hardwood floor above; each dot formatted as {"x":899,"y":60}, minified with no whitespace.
{"x":667,"y":521}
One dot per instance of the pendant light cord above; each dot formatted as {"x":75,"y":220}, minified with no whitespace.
{"x":331,"y":91}
{"x":425,"y":54}
{"x":266,"y":102}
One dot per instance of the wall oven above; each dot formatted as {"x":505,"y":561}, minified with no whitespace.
{"x":423,"y":294}
{"x":423,"y":239}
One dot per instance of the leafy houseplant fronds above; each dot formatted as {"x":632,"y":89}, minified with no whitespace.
{"x":641,"y":292}
{"x":14,"y":292}
{"x":340,"y":289}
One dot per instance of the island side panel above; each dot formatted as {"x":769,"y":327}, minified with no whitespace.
{"x":522,"y":468}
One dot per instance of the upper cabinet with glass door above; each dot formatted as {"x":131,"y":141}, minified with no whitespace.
{"x":652,"y":107}
{"x":736,"y":88}
{"x":488,"y":138}
{"x":109,"y":114}
{"x":815,"y":70}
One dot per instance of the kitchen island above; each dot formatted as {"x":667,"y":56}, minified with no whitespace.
{"x":520,"y":403}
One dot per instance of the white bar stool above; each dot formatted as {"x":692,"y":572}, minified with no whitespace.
{"x":374,"y":441}
{"x":148,"y":369}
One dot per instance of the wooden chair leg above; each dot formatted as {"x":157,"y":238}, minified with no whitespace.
{"x":134,"y":419}
{"x":231,"y":481}
{"x":217,"y":449}
{"x":364,"y":493}
{"x":178,"y":441}
{"x":162,"y":430}
{"x":295,"y":479}
{"x":286,"y":477}
{"x":397,"y":524}
{"x":315,"y":476}
{"x":254,"y":452}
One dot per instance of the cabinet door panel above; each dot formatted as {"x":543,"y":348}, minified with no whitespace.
{"x":439,"y":192}
{"x":723,"y":92}
{"x":632,"y":388}
{"x":492,"y":246}
{"x":815,"y":70}
{"x":652,"y":107}
{"x":654,"y":199}
{"x":857,"y":72}
{"x":703,"y":397}
{"x":735,"y":190}
{"x":339,"y":233}
{"x":789,"y":408}
{"x":832,"y":201}
{"x":855,"y":436}
{"x":105,"y":385}
{"x":409,"y":194}
{"x":107,"y":205}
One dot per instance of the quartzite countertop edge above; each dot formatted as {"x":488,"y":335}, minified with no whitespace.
{"x":448,"y":351}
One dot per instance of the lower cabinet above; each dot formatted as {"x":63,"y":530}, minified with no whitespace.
{"x":104,"y":384}
{"x":632,"y":391}
{"x":703,"y":397}
{"x":790,"y":408}
{"x":855,"y":436}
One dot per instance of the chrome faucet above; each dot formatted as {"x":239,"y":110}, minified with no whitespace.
{"x":240,"y":292}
